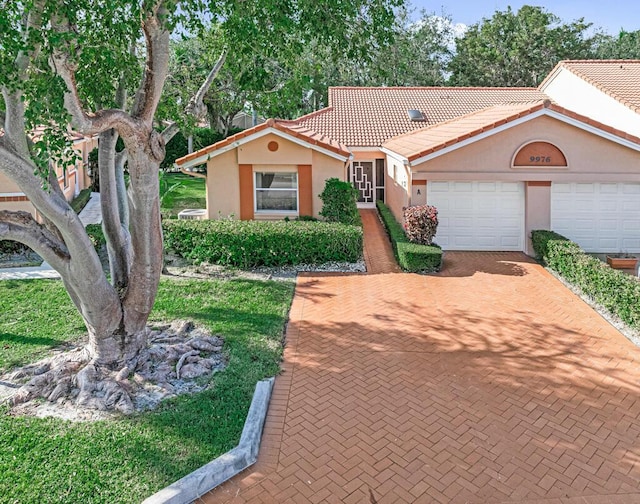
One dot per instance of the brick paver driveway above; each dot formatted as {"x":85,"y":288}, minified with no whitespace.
{"x":487,"y":383}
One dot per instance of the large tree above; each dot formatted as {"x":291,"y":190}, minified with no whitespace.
{"x":625,"y":45}
{"x":517,"y":48}
{"x":66,"y":64}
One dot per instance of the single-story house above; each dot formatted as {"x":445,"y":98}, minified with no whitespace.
{"x":72,"y":180}
{"x":496,"y":162}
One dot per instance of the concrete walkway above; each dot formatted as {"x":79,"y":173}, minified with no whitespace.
{"x":90,"y":214}
{"x":487,"y":383}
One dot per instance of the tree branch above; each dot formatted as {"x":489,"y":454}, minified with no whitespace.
{"x":196,"y":106}
{"x":22,"y":227}
{"x":118,"y":244}
{"x":157,"y":64}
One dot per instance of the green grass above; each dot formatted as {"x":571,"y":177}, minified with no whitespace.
{"x":124,"y":461}
{"x":190,"y":193}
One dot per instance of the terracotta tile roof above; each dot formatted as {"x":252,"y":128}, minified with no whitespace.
{"x":370,"y":116}
{"x":417,"y":144}
{"x":299,"y":131}
{"x":620,"y":79}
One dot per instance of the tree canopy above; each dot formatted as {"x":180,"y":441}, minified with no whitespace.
{"x":517,"y":48}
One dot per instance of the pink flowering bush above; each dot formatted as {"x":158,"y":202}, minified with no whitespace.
{"x":420,"y":223}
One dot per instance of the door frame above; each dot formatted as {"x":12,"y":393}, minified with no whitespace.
{"x":351,"y":176}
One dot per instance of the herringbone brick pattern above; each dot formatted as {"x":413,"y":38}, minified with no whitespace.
{"x":378,"y":253}
{"x":487,"y":383}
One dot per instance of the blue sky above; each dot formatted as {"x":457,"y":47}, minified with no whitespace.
{"x":611,"y":15}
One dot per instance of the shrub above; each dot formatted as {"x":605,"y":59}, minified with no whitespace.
{"x":411,"y":257}
{"x":247,"y":244}
{"x":339,"y":202}
{"x":420,"y":223}
{"x":616,"y":291}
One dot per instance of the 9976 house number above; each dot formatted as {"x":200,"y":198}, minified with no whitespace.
{"x":540,"y":159}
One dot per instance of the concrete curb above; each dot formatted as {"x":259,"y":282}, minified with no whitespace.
{"x":219,"y":470}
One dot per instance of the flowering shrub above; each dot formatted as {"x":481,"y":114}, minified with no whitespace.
{"x":420,"y":223}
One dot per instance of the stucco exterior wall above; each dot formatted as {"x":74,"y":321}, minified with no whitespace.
{"x":570,"y":91}
{"x":537,"y":210}
{"x":224,"y":194}
{"x":324,"y":167}
{"x":223,"y":186}
{"x":257,"y":152}
{"x":590,"y":158}
{"x":396,"y":187}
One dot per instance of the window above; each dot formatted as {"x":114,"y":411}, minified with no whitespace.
{"x":276,"y":192}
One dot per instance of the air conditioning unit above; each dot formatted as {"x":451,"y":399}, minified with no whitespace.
{"x":193,"y":214}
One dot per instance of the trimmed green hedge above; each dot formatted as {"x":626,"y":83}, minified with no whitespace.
{"x":616,"y":291}
{"x":410,"y":256}
{"x":247,"y":244}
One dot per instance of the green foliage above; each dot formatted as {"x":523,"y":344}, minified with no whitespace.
{"x":124,"y":461}
{"x":178,"y":146}
{"x":517,"y":48}
{"x":12,"y":247}
{"x":247,"y":244}
{"x":81,"y":200}
{"x":411,"y":257}
{"x":616,"y":291}
{"x":96,"y":235}
{"x":339,"y":202}
{"x":626,"y":45}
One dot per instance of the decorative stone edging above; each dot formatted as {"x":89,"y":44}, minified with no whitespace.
{"x":219,"y":470}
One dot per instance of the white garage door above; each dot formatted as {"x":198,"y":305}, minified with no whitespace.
{"x":599,"y":217}
{"x":478,"y":215}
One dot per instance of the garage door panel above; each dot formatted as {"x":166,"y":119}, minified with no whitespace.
{"x":600,"y":217}
{"x":479,"y":215}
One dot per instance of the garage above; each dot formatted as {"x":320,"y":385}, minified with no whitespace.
{"x":478,"y":215}
{"x":600,"y":217}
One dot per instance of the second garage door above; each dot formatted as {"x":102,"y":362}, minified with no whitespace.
{"x":478,"y":215}
{"x":600,"y":217}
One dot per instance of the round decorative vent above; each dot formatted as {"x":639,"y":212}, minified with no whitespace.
{"x":273,"y":146}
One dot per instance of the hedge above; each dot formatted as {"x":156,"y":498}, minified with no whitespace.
{"x":411,"y":257}
{"x":616,"y":291}
{"x":247,"y":244}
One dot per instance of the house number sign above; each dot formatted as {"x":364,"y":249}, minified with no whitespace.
{"x":539,"y":154}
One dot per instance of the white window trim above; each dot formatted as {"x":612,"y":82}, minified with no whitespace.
{"x":275,"y":212}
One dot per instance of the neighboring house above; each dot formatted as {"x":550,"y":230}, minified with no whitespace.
{"x":72,"y":180}
{"x":496,"y":162}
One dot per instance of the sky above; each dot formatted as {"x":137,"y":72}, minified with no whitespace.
{"x":610,"y":15}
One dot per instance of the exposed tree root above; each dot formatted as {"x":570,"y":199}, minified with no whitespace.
{"x":76,"y":387}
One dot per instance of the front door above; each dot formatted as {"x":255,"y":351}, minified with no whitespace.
{"x":368,"y":178}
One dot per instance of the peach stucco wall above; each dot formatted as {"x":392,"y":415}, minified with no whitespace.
{"x":323,"y":168}
{"x":537,"y":210}
{"x":223,"y":179}
{"x":223,"y":186}
{"x":590,"y":158}
{"x":257,"y":152}
{"x":397,"y":186}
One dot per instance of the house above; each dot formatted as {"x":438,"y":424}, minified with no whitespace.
{"x":496,"y":162}
{"x":72,"y":179}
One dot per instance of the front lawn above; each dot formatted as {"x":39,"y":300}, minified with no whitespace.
{"x":124,"y":461}
{"x":187,"y":192}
